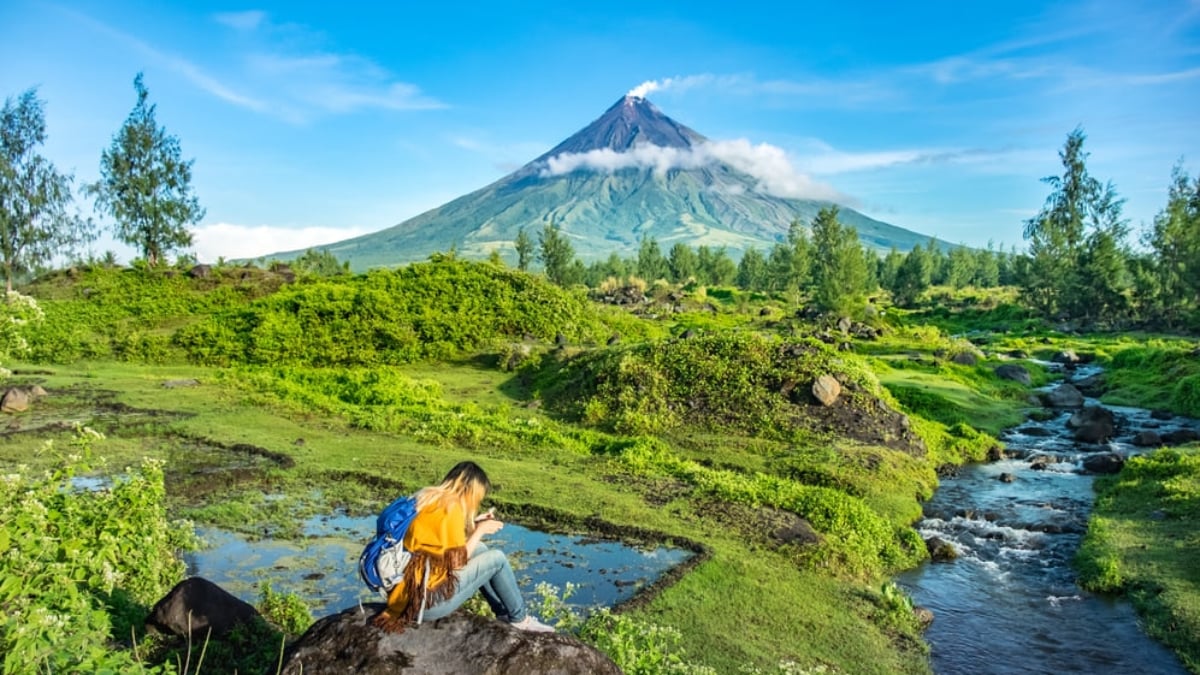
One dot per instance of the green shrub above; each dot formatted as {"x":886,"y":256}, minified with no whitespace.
{"x":81,"y":565}
{"x":638,"y":647}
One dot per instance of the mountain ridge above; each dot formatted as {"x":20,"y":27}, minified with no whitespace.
{"x":609,"y":209}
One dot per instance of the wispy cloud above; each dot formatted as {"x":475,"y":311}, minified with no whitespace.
{"x":767,"y":164}
{"x":294,"y":85}
{"x":248,"y":20}
{"x":232,"y":241}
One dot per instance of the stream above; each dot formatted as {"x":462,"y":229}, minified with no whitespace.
{"x":1010,"y":603}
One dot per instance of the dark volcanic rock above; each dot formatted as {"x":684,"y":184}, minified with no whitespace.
{"x":1014,"y":372}
{"x":1063,"y":396}
{"x":1093,"y":424}
{"x":1147,"y":439}
{"x":197,"y":604}
{"x":1109,"y":462}
{"x":1180,"y":436}
{"x":460,"y":643}
{"x":940,"y":550}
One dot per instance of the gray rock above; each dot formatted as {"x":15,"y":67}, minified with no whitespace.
{"x":14,"y":401}
{"x":1063,"y":396}
{"x":924,"y":616}
{"x":194,"y":606}
{"x":200,"y":272}
{"x":1180,"y":436}
{"x":1109,"y":462}
{"x":940,"y":550}
{"x":1014,"y":372}
{"x":460,"y":643}
{"x":37,"y":391}
{"x":1093,"y":424}
{"x":1066,"y":356}
{"x":1147,"y":439}
{"x":176,"y":384}
{"x":965,"y":358}
{"x":826,"y":390}
{"x":1007,"y":478}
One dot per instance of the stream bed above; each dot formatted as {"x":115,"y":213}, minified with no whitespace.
{"x":1009,"y":603}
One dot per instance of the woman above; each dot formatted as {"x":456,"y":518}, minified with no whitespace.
{"x":445,"y":539}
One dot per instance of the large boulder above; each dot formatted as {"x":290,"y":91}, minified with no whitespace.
{"x":1147,"y":439}
{"x":1109,"y":462}
{"x":1014,"y":372}
{"x":1093,"y":424}
{"x":1180,"y":436}
{"x":14,"y":401}
{"x":1063,"y":396}
{"x":194,"y":606}
{"x":460,"y":643}
{"x":965,"y":358}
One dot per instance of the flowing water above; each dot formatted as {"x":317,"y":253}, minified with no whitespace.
{"x":1010,"y":604}
{"x":323,"y":568}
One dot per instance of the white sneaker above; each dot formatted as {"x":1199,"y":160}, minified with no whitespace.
{"x":532,"y":625}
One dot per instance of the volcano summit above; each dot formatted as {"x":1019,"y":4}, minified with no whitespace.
{"x":632,"y":173}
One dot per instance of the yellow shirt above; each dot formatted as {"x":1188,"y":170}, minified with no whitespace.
{"x":437,"y":537}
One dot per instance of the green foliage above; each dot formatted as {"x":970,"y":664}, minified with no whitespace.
{"x":145,"y":184}
{"x":1155,"y":374}
{"x":839,"y":272}
{"x":1173,"y":274}
{"x":19,"y":314}
{"x":426,"y":310}
{"x":556,"y":255}
{"x":638,"y":647}
{"x":35,"y":224}
{"x":730,"y":380}
{"x":320,"y":263}
{"x":81,"y":565}
{"x":285,"y":610}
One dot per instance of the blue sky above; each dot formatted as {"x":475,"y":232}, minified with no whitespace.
{"x":313,"y":122}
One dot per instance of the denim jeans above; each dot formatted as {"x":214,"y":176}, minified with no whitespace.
{"x":488,"y":572}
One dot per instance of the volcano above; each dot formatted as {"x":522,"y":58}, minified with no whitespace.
{"x":633,"y":172}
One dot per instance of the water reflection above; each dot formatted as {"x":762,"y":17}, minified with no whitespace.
{"x":323,"y":568}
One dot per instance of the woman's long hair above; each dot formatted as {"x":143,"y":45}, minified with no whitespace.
{"x":465,"y":486}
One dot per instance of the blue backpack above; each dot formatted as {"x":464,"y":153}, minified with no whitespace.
{"x":384,"y":558}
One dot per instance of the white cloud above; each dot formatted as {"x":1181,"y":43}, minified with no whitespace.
{"x":226,"y":240}
{"x":767,"y":164}
{"x":243,"y":21}
{"x":842,"y":92}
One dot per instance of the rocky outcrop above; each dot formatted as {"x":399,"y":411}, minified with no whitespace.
{"x":196,"y":605}
{"x":1014,"y":372}
{"x":460,"y":643}
{"x":1109,"y":462}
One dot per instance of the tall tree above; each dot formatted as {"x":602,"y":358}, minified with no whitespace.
{"x":960,"y":267}
{"x":682,"y":262}
{"x":651,"y":264}
{"x":912,"y":278}
{"x":715,"y":266}
{"x":146,"y":186}
{"x":1056,"y":233}
{"x":889,"y":265}
{"x":524,"y":246}
{"x":35,"y":223}
{"x":1175,"y":240}
{"x":839,"y":269}
{"x":557,"y":254}
{"x":752,"y":271}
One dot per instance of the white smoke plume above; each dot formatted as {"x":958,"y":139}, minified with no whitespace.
{"x":769,"y":165}
{"x":670,"y":83}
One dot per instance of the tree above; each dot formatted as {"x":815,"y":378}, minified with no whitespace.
{"x":682,"y":262}
{"x":556,"y":254}
{"x":146,"y":186}
{"x":889,"y":265}
{"x":912,"y":278}
{"x":752,"y":271}
{"x":960,"y":267}
{"x":839,"y":270}
{"x":320,"y":264}
{"x":524,"y":246}
{"x":651,"y":265}
{"x":715,"y":266}
{"x":35,"y":224}
{"x":1175,"y":240}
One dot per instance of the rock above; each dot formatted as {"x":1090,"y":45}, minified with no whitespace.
{"x":792,"y":529}
{"x":14,"y":401}
{"x":613,"y":339}
{"x":940,"y":550}
{"x":924,"y":616}
{"x":965,"y":358}
{"x":1093,"y":424}
{"x":1147,"y":439}
{"x":687,"y":334}
{"x":765,"y":311}
{"x":826,"y":390}
{"x":1162,"y":415}
{"x":197,"y":604}
{"x":1040,"y":432}
{"x":200,"y":272}
{"x":175,"y":384}
{"x":1014,"y":372}
{"x":1007,"y":478}
{"x":1063,"y":396}
{"x":1018,"y":354}
{"x":1092,"y":385}
{"x":1066,"y":356}
{"x":1109,"y":462}
{"x":560,"y":340}
{"x":844,"y":323}
{"x":37,"y":391}
{"x":1180,"y":436}
{"x":461,"y":643}
{"x":996,"y":453}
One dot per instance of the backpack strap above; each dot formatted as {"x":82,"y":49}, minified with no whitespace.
{"x":424,"y":592}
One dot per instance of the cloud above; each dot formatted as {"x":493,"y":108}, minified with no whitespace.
{"x":814,"y":92}
{"x":769,"y":165}
{"x":230,"y":241}
{"x":675,"y":84}
{"x":243,"y":21}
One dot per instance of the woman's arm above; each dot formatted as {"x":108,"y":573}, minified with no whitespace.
{"x":482,"y":528}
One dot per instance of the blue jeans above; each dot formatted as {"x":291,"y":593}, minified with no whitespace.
{"x":488,"y":572}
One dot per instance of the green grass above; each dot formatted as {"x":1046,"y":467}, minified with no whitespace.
{"x":1142,"y":541}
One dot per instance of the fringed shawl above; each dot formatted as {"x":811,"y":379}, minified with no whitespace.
{"x":437,"y":539}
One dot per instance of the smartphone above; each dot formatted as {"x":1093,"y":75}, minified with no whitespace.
{"x":490,"y":514}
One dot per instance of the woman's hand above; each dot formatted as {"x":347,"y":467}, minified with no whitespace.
{"x":488,"y":526}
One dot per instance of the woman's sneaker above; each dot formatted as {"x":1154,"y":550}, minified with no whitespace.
{"x":532,"y":625}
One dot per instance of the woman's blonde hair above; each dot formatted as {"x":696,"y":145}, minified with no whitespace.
{"x":465,"y":485}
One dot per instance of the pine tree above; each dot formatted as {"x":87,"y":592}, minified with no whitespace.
{"x":682,"y":263}
{"x":752,"y":271}
{"x":557,"y":255}
{"x":839,"y":269}
{"x":524,"y":247}
{"x":35,"y":223}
